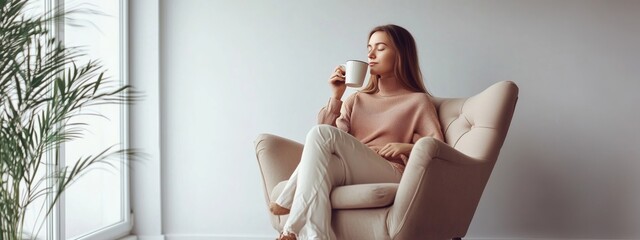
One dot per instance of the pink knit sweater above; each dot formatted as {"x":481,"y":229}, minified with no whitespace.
{"x":378,"y":120}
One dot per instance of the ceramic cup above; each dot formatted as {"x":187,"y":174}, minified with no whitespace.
{"x":355,"y":71}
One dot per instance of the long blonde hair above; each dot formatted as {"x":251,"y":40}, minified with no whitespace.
{"x":406,"y":68}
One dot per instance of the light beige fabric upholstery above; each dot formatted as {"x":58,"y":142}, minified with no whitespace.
{"x":354,"y":196}
{"x":442,"y":183}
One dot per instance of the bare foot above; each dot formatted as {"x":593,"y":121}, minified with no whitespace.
{"x":277,"y":209}
{"x":289,"y":236}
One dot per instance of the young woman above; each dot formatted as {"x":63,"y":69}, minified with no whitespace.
{"x":371,"y":134}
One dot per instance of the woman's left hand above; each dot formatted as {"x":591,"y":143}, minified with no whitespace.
{"x":394,"y":150}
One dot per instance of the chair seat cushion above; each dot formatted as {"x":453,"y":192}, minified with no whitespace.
{"x":357,"y":196}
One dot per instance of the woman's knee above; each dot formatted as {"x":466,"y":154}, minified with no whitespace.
{"x":322,"y":132}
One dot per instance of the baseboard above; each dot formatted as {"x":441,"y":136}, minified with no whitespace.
{"x":255,"y":237}
{"x":216,"y":237}
{"x":148,"y":237}
{"x":535,"y":239}
{"x":130,"y":237}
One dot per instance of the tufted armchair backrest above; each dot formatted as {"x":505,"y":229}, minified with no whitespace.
{"x":477,"y":126}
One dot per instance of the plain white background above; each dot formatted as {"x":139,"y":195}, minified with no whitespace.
{"x":229,"y":70}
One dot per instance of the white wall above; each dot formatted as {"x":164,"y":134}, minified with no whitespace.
{"x":570,"y":166}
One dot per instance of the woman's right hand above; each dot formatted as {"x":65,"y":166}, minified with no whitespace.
{"x":337,"y":82}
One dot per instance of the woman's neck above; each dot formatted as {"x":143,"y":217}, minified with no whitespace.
{"x":389,"y":86}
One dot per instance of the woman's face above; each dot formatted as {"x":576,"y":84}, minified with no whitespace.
{"x":382,"y":57}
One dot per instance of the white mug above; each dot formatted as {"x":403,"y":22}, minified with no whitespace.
{"x":355,"y":71}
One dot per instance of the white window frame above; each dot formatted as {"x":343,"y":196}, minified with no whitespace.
{"x":55,"y":226}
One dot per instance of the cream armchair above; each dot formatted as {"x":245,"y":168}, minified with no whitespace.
{"x":442,"y":183}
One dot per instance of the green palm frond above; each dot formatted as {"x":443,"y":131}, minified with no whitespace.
{"x":42,"y":88}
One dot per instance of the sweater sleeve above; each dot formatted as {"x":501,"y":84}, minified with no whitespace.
{"x":330,"y":113}
{"x":429,"y":124}
{"x":337,"y":113}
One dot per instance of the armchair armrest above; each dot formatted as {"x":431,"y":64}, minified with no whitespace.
{"x":440,"y":186}
{"x":277,"y":158}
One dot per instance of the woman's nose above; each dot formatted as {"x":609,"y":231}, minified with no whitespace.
{"x":371,"y":55}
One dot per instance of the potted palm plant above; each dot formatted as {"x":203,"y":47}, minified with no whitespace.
{"x":43,"y":87}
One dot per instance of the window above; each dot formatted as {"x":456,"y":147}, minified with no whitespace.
{"x":96,"y":206}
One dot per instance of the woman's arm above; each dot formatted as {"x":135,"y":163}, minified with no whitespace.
{"x":336,"y":113}
{"x":395,"y":150}
{"x":330,"y":113}
{"x":429,"y":124}
{"x":336,"y":81}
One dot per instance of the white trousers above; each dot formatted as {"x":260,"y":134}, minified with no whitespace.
{"x":331,"y":157}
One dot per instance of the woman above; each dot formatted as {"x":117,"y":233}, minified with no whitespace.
{"x":371,"y":133}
